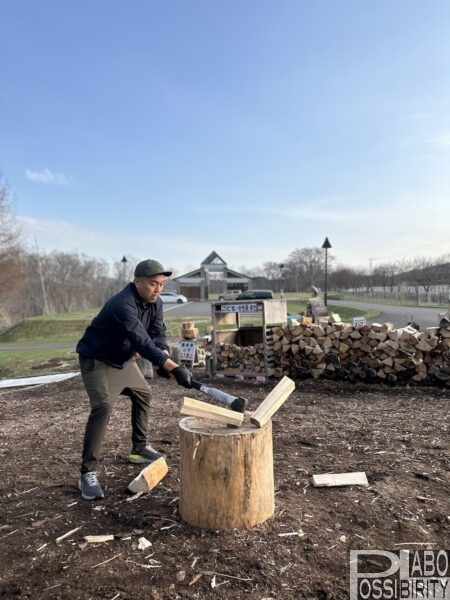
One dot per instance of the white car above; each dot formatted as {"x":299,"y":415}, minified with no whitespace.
{"x":173,"y":297}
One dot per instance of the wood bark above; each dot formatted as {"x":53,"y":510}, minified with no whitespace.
{"x":226,"y":475}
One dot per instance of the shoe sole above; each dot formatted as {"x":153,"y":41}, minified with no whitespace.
{"x":86,"y":497}
{"x":138,"y":459}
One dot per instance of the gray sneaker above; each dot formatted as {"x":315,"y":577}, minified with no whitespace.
{"x":90,"y":486}
{"x":145,"y":455}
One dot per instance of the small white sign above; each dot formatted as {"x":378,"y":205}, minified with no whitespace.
{"x":239,"y":308}
{"x":187,"y":350}
{"x":359,"y":321}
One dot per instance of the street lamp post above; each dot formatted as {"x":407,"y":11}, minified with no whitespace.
{"x":124,"y":267}
{"x":326,"y":245}
{"x":282,"y":268}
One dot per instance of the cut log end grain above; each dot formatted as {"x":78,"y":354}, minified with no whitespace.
{"x":340,"y":351}
{"x":373,"y":352}
{"x":149,"y":477}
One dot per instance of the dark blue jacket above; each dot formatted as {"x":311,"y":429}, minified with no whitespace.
{"x":125,"y":325}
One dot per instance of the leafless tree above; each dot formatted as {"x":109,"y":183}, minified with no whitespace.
{"x":384,"y":276}
{"x":70,"y":282}
{"x":11,"y":279}
{"x":347,"y":278}
{"x":306,"y":267}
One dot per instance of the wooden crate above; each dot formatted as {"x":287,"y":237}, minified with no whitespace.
{"x":230,"y":327}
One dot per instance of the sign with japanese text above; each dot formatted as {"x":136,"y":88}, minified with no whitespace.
{"x":239,"y":308}
{"x":187,"y":350}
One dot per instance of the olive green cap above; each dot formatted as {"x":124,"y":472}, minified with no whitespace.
{"x":149,"y":268}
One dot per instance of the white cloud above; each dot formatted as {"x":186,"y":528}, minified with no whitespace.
{"x":46,"y":176}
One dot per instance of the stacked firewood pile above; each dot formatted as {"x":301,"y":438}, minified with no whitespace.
{"x":338,"y":350}
{"x":233,"y":358}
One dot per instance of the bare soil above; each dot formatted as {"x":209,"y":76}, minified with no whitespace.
{"x":398,"y":436}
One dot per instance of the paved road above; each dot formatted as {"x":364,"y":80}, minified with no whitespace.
{"x":190,"y":309}
{"x":398,"y":315}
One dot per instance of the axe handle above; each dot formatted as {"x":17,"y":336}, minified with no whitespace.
{"x":196,"y":384}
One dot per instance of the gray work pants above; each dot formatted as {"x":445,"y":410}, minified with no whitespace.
{"x":103,"y":385}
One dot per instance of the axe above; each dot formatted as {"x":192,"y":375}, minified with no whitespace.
{"x":236,"y":403}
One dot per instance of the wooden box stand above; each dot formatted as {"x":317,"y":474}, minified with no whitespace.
{"x":226,"y":474}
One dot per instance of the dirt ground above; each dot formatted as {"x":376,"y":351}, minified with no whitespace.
{"x":398,"y":436}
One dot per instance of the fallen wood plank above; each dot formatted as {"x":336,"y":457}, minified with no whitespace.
{"x":273,"y":402}
{"x":94,"y":539}
{"x":149,"y":477}
{"x":68,"y":534}
{"x":197,"y":408}
{"x":336,"y":479}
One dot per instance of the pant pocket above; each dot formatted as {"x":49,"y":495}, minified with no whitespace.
{"x":86,"y":364}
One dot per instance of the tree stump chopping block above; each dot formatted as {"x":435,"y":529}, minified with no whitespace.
{"x":226,"y":474}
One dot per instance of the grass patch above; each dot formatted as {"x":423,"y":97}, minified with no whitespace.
{"x":294,"y":307}
{"x":346,"y":313}
{"x":68,"y":327}
{"x":173,"y":324}
{"x":29,"y":363}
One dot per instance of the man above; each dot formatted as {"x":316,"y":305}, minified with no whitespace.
{"x":130,"y":322}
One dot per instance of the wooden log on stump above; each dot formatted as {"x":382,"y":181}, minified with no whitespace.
{"x":226,"y":475}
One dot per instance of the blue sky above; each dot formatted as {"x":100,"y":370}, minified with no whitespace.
{"x":168,"y":129}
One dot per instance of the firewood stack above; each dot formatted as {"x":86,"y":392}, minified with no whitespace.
{"x":336,"y":350}
{"x":233,"y":358}
{"x":189,"y":331}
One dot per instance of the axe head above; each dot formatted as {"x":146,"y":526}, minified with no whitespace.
{"x":236,"y":403}
{"x":239,"y":404}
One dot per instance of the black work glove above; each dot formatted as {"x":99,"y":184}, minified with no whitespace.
{"x":162,"y":372}
{"x":182,"y":376}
